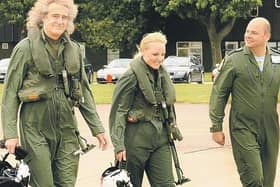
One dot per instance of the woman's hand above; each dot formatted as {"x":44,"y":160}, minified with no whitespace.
{"x":121,"y":156}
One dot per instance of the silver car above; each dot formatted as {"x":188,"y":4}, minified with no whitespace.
{"x":113,"y":71}
{"x":4,"y":63}
{"x":184,"y":69}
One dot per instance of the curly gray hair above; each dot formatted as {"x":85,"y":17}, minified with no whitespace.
{"x":40,"y":9}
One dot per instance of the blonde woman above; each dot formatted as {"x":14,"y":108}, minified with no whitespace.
{"x":46,"y":75}
{"x":137,"y":114}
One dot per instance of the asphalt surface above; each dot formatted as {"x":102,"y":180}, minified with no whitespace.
{"x":203,"y":161}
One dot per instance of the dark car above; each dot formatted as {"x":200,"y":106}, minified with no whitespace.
{"x":184,"y":69}
{"x":4,"y":63}
{"x":89,"y":72}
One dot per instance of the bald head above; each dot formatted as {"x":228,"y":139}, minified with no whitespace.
{"x":263,"y":22}
{"x":257,"y":35}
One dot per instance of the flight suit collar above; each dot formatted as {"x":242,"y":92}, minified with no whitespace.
{"x":63,"y":41}
{"x":252,"y":58}
{"x":64,"y":37}
{"x":147,"y":70}
{"x":247,"y":51}
{"x":138,"y":66}
{"x":71,"y":53}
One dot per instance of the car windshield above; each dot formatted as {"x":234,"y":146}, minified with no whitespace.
{"x":119,"y":63}
{"x":176,"y":62}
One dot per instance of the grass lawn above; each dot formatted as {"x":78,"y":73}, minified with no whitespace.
{"x":187,"y":93}
{"x":190,"y":93}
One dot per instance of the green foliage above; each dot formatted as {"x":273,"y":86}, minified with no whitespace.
{"x":223,"y":10}
{"x":218,"y":16}
{"x":14,"y":11}
{"x":119,"y":24}
{"x":110,"y":23}
{"x":116,"y":24}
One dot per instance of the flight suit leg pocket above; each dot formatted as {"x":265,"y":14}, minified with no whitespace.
{"x":130,"y":133}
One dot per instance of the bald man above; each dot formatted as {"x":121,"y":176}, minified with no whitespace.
{"x":251,"y":75}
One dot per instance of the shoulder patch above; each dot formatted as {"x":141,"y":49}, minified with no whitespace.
{"x":234,"y":51}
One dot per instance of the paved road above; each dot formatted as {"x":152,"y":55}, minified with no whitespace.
{"x":203,"y":161}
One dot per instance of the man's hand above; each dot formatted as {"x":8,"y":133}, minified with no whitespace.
{"x":120,"y":156}
{"x":219,"y":137}
{"x":11,"y":145}
{"x":102,"y":141}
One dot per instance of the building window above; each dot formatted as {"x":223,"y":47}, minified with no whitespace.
{"x":275,"y":45}
{"x":242,"y":44}
{"x":5,"y":46}
{"x":186,"y":48}
{"x":277,"y":3}
{"x":182,"y":48}
{"x":255,"y":12}
{"x":229,"y":46}
{"x":112,"y":54}
{"x":272,"y":45}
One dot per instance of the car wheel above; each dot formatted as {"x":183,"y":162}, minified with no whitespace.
{"x":90,"y":77}
{"x":189,"y":80}
{"x":99,"y":81}
{"x":202,"y":79}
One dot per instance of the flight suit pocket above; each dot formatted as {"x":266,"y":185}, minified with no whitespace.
{"x":130,"y":133}
{"x":135,"y":116}
{"x":71,"y":144}
{"x":33,"y":94}
{"x":175,"y":131}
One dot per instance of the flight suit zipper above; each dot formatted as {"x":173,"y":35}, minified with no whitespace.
{"x":251,"y":75}
{"x":261,"y":73}
{"x":56,"y":102}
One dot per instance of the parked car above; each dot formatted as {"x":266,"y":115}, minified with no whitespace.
{"x":4,"y":63}
{"x":184,"y":69}
{"x":113,"y":71}
{"x":89,"y":72}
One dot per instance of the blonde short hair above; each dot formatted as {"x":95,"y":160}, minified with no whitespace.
{"x":40,"y":9}
{"x":152,"y":37}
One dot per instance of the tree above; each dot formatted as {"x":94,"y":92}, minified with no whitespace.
{"x":218,"y":16}
{"x":114,"y":24}
{"x":15,"y":12}
{"x":108,"y":24}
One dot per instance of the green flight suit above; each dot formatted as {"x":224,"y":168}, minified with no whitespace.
{"x":254,"y":127}
{"x":145,"y":140}
{"x":48,"y":127}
